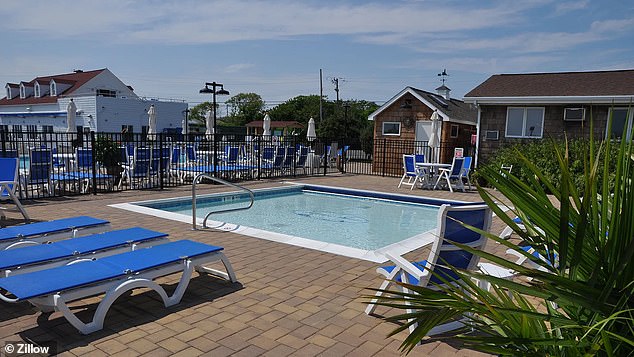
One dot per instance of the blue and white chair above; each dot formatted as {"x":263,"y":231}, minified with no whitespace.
{"x":69,"y":251}
{"x":466,"y":170}
{"x":454,"y":173}
{"x":112,"y":276}
{"x":40,"y":172}
{"x":436,"y":271}
{"x":139,"y":169}
{"x":410,"y":172}
{"x":9,"y":182}
{"x":50,"y":231}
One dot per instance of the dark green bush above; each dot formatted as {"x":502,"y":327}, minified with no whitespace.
{"x":540,"y":153}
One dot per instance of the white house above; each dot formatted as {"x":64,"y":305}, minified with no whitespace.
{"x":104,"y":104}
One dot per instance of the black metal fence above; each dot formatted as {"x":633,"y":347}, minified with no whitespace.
{"x":62,"y":164}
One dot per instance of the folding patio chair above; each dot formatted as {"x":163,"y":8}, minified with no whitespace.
{"x":454,"y":173}
{"x":466,"y":170}
{"x":410,"y":172}
{"x":435,"y":272}
{"x":115,"y":275}
{"x":9,"y":182}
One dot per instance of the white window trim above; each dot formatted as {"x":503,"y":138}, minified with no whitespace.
{"x":22,"y":91}
{"x":524,"y":134}
{"x":37,"y":90}
{"x":629,"y":118}
{"x":53,"y":89}
{"x":390,"y":134}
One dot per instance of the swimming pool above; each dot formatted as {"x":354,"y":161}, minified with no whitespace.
{"x":360,"y":224}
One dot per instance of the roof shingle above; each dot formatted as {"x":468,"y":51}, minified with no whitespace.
{"x":596,"y":83}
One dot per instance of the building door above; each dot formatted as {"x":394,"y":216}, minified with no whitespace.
{"x":423,"y":130}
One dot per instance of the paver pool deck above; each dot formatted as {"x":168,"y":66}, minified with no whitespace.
{"x":290,"y":300}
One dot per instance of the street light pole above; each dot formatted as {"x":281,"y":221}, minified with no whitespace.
{"x":213,"y":92}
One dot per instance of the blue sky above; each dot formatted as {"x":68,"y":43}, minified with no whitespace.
{"x":275,"y":48}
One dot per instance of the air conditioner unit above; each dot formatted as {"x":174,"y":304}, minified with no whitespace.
{"x":492,"y":135}
{"x":574,"y":114}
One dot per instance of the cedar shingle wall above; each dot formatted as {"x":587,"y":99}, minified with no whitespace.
{"x":494,"y":118}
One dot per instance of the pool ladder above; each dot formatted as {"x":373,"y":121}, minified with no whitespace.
{"x":226,"y":183}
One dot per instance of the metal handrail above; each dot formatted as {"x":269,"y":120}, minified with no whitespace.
{"x":226,"y":183}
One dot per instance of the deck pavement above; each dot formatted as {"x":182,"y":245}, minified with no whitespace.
{"x":290,"y":301}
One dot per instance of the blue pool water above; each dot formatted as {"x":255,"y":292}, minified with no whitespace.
{"x":366,"y":223}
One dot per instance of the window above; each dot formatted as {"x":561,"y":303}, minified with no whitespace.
{"x":37,"y":90}
{"x":106,"y":93}
{"x":8,"y":93}
{"x":47,"y":128}
{"x":524,"y":122}
{"x":454,"y":131}
{"x":53,"y":89}
{"x":22,"y":92}
{"x":392,"y":128}
{"x":621,"y":121}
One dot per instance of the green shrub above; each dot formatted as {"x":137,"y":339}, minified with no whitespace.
{"x":540,"y":153}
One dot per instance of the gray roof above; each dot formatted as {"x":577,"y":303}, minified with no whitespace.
{"x":453,"y":108}
{"x":562,"y":84}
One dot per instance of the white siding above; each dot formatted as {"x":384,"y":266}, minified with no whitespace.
{"x":112,"y":113}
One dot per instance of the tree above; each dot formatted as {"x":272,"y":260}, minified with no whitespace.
{"x":198,"y":112}
{"x":245,"y":107}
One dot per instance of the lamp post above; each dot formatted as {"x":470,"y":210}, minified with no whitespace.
{"x":214,"y":91}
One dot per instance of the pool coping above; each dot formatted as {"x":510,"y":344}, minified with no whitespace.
{"x":377,"y":255}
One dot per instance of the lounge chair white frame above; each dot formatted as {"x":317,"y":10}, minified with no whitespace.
{"x":131,"y":244}
{"x":67,"y":232}
{"x":404,"y":269}
{"x":117,"y":287}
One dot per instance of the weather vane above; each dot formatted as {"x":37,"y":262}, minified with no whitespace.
{"x":443,"y":75}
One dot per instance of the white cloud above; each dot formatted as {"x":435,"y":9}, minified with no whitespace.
{"x":568,"y":6}
{"x":238,"y":67}
{"x":226,"y":20}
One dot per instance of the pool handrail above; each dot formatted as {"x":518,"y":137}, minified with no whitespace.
{"x":221,"y":181}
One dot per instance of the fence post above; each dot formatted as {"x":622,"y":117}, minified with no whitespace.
{"x":384,"y":157}
{"x":94,"y":162}
{"x":161,"y":168}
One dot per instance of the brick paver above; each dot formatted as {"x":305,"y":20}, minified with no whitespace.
{"x":290,"y":300}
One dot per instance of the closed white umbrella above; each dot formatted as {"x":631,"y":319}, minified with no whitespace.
{"x":151,"y":129}
{"x":311,"y":135}
{"x":209,"y":123}
{"x":434,"y":139}
{"x":71,"y":112}
{"x":267,"y":125}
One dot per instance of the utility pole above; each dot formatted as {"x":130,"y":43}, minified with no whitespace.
{"x":321,"y":98}
{"x":335,"y":81}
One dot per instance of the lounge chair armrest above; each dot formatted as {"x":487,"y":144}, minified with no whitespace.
{"x":404,"y":264}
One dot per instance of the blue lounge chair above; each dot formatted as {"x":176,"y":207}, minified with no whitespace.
{"x":9,"y":181}
{"x":84,"y":171}
{"x":51,"y":289}
{"x":41,"y":232}
{"x":433,"y":273}
{"x":69,"y":251}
